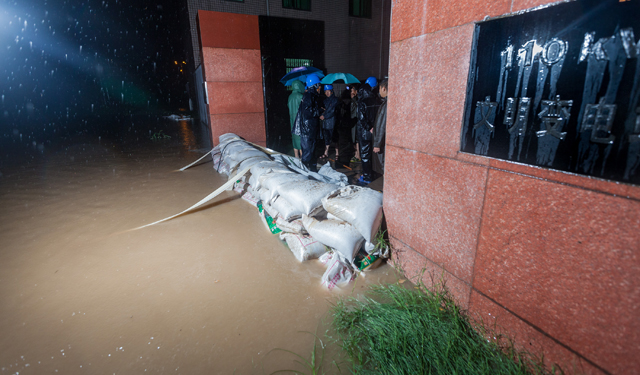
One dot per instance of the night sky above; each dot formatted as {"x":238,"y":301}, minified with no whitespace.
{"x":66,"y":64}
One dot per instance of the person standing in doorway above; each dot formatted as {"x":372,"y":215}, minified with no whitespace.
{"x":367,"y":109}
{"x":353,"y":90}
{"x":380,"y":126}
{"x":343,"y":128}
{"x":329,"y":118}
{"x":309,"y":116}
{"x":294,"y":103}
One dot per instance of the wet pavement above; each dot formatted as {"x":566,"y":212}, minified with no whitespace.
{"x":209,"y":292}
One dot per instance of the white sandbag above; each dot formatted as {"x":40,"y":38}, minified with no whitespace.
{"x":359,"y":206}
{"x":289,"y":161}
{"x":246,"y":154}
{"x":222,"y":168}
{"x":234,"y":148}
{"x":306,"y":195}
{"x":263,"y":167}
{"x":253,"y":192}
{"x":240,"y":187}
{"x":265,"y":195}
{"x":335,"y":177}
{"x":270,"y":210}
{"x":339,"y":235}
{"x":293,"y":226}
{"x":338,"y":272}
{"x":249,"y":162}
{"x":227,"y":137}
{"x":287,"y":210}
{"x":326,"y":257}
{"x":303,"y":247}
{"x":217,"y":163}
{"x":248,"y":197}
{"x":274,"y":179}
{"x":330,"y":216}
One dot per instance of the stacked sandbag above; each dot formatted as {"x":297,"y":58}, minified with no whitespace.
{"x":358,"y":206}
{"x":338,"y":272}
{"x":338,"y":235}
{"x":306,"y":195}
{"x":316,"y":214}
{"x":303,"y":247}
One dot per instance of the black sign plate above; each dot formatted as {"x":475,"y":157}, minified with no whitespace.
{"x":559,"y":87}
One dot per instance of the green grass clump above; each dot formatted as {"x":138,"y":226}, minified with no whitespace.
{"x":397,"y":330}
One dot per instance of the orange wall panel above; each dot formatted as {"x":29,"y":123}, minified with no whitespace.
{"x":228,"y":30}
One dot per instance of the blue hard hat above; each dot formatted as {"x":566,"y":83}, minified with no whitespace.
{"x":312,"y":79}
{"x":372,"y":81}
{"x":328,"y":87}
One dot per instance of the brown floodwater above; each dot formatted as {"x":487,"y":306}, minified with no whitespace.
{"x":208,"y":292}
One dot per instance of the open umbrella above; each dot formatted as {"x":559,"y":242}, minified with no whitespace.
{"x":346,"y":77}
{"x":300,"y":73}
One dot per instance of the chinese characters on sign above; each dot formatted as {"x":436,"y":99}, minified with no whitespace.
{"x":559,"y":87}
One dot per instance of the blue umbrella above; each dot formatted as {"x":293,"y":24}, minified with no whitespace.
{"x":298,"y":73}
{"x":346,"y":77}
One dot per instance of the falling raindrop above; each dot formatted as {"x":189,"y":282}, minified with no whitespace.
{"x":91,"y":107}
{"x":81,"y":50}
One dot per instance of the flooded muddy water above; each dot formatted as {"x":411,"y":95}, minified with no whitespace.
{"x":209,"y":292}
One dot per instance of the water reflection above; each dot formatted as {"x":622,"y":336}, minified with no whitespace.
{"x":186,"y":134}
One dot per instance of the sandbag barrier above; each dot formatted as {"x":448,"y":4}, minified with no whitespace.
{"x":317,"y":215}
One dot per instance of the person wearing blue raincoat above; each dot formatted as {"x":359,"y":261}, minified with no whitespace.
{"x":294,"y":103}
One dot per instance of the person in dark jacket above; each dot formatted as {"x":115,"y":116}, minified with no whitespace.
{"x":329,"y":118}
{"x":343,"y":128}
{"x":380,"y":126}
{"x":293,"y":104}
{"x":309,"y":114}
{"x":353,"y":105}
{"x":367,"y":109}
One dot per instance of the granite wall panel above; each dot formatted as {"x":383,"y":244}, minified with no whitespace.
{"x":249,"y":126}
{"x":433,"y":205}
{"x":235,"y":97}
{"x":228,"y":30}
{"x":589,"y":183}
{"x":233,"y":74}
{"x":420,"y":270}
{"x":408,"y":19}
{"x":430,"y":73}
{"x":414,"y":18}
{"x":232,"y":65}
{"x":564,"y":259}
{"x":509,"y":326}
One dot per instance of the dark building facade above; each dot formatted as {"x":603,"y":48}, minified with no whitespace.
{"x":355,"y":39}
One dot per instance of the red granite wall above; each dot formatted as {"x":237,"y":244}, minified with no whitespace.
{"x":233,"y":74}
{"x":550,"y":257}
